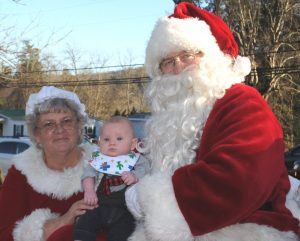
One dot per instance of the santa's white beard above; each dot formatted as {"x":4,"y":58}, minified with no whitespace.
{"x":180,"y":107}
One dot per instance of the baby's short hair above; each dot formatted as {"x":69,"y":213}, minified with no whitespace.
{"x":119,"y":119}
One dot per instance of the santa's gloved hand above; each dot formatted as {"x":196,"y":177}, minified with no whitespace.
{"x":294,"y":192}
{"x":293,"y":197}
{"x":132,"y":202}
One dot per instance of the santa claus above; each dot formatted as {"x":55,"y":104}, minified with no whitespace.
{"x":215,"y":146}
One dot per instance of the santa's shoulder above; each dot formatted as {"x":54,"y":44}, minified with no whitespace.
{"x":242,"y":90}
{"x":241,"y":94}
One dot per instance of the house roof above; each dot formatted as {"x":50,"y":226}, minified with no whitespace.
{"x":13,"y":114}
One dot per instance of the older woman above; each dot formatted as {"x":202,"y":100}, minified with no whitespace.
{"x":42,"y":195}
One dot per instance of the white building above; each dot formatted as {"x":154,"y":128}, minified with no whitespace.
{"x":12,"y":123}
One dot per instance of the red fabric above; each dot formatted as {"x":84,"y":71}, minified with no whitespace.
{"x":218,"y":27}
{"x":239,"y":168}
{"x":111,"y":181}
{"x":16,"y":189}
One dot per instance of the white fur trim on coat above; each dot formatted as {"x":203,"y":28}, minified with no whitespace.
{"x":31,"y":227}
{"x":163,"y":219}
{"x":58,"y":184}
{"x":132,"y":202}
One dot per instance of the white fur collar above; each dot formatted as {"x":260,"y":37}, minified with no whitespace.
{"x":60,"y":185}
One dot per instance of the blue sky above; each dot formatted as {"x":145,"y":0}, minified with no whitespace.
{"x":114,"y":29}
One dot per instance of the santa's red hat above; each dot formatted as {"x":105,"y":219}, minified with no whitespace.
{"x":192,"y":28}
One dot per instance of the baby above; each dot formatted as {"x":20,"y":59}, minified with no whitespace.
{"x":116,"y":142}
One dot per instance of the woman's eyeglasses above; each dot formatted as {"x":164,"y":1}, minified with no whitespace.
{"x":66,"y":124}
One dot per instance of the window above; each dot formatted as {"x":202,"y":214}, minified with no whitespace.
{"x":18,"y":130}
{"x":20,"y":147}
{"x":10,"y":147}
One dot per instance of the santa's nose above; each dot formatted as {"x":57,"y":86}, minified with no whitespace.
{"x":178,"y":66}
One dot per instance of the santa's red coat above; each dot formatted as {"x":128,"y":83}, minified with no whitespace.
{"x":239,"y":170}
{"x":32,"y":194}
{"x":236,"y":188}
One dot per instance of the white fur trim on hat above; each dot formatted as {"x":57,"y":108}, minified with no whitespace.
{"x":31,"y":228}
{"x":172,"y":35}
{"x":50,"y":92}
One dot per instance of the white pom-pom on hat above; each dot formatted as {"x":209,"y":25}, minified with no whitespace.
{"x":242,"y":65}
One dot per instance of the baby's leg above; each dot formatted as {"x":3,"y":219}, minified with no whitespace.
{"x":88,"y":225}
{"x":122,"y":227}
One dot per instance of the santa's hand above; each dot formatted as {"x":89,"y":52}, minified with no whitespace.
{"x":294,"y":192}
{"x":132,"y":202}
{"x":293,"y":197}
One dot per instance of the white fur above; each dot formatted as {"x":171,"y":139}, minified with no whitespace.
{"x":60,"y":185}
{"x":31,"y":227}
{"x":242,"y":65}
{"x":173,"y":35}
{"x":293,"y":197}
{"x":132,"y":202}
{"x":180,"y":107}
{"x":164,"y":220}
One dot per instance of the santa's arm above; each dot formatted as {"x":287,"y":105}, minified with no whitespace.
{"x":239,"y":165}
{"x":229,"y":183}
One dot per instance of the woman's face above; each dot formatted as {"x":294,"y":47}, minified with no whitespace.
{"x":58,"y":132}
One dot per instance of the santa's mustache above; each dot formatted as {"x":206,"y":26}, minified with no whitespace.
{"x":168,"y":89}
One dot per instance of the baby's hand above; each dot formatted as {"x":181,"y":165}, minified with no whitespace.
{"x":90,"y":197}
{"x":129,"y":178}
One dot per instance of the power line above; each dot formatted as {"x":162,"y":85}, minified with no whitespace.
{"x":275,"y":52}
{"x":93,"y":82}
{"x":130,"y":80}
{"x":129,"y":65}
{"x":277,"y":70}
{"x":79,"y":69}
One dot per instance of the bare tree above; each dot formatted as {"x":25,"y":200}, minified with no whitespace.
{"x":267,"y":31}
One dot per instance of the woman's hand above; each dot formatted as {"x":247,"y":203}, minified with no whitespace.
{"x":78,"y":208}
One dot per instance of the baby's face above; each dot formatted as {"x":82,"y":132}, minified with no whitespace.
{"x":116,"y":139}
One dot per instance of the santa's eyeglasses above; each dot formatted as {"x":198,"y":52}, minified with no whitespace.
{"x":167,"y":65}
